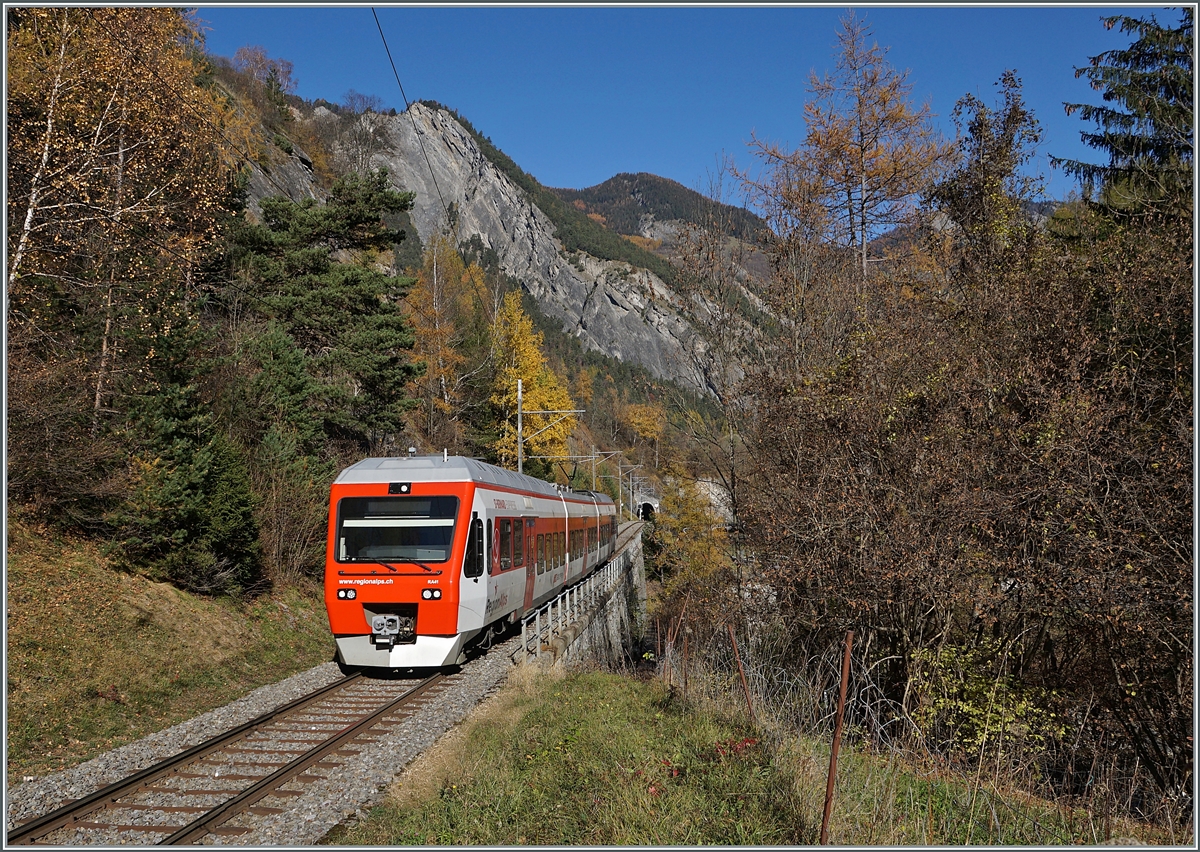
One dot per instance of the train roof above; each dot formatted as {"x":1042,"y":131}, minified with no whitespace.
{"x":451,"y":469}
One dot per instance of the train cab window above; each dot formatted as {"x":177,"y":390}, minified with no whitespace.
{"x":505,"y":537}
{"x":541,"y":554}
{"x":518,"y":543}
{"x":397,"y":529}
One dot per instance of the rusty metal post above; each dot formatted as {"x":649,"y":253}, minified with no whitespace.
{"x":741,"y":672}
{"x":685,"y":666}
{"x":837,"y":739}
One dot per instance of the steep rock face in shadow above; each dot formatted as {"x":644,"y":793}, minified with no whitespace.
{"x":611,"y":307}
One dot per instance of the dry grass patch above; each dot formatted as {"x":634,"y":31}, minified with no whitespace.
{"x":452,"y":760}
{"x":97,"y":658}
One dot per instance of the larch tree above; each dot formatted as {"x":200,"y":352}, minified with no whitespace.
{"x":649,"y":421}
{"x":868,"y":152}
{"x":519,"y":356}
{"x":441,"y":305}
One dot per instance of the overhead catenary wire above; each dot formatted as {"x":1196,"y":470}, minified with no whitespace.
{"x":132,"y":53}
{"x":404,"y":97}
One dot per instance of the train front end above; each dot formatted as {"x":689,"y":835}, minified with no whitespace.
{"x":396,"y":551}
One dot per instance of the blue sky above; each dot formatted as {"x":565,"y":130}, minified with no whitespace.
{"x":576,"y":94}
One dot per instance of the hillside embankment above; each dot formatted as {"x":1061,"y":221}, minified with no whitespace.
{"x":98,"y":658}
{"x":602,"y":758}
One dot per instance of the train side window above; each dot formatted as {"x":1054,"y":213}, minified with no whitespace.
{"x":541,"y":554}
{"x":505,"y":544}
{"x":562,"y":549}
{"x":491,"y":553}
{"x":473,"y":564}
{"x":518,"y":543}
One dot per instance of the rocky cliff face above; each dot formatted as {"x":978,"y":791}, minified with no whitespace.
{"x":611,"y":307}
{"x":290,"y":175}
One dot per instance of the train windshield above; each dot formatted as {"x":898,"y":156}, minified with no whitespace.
{"x":382,"y":529}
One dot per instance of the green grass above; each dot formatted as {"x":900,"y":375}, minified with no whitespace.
{"x":599,"y":759}
{"x":97,"y":659}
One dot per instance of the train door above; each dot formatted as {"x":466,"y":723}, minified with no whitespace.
{"x":530,"y":563}
{"x":473,"y":582}
{"x":499,"y":545}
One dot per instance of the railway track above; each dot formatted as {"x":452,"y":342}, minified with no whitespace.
{"x":243,"y":786}
{"x":218,"y":788}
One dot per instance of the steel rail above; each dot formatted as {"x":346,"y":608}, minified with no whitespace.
{"x":240,"y":803}
{"x":75,"y":810}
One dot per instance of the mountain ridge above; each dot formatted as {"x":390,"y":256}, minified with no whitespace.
{"x":618,"y":293}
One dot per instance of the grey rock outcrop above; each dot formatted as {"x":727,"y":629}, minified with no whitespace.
{"x":290,"y":175}
{"x":611,"y":307}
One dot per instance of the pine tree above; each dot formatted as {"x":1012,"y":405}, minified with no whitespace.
{"x":317,"y":268}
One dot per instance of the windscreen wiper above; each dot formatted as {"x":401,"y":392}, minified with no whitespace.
{"x":427,"y":570}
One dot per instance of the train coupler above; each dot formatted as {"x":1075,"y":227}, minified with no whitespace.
{"x":389,"y":630}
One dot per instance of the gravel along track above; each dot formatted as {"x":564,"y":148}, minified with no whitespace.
{"x":331,"y":795}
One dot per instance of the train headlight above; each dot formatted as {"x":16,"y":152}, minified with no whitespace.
{"x":431,"y":594}
{"x":346,"y":594}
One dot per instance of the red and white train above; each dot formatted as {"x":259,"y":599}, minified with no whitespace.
{"x":426,"y":553}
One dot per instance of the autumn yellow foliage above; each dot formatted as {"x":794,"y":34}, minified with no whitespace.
{"x":519,"y":356}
